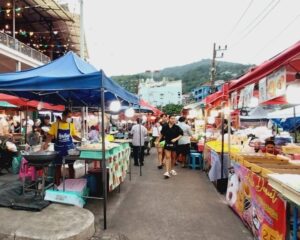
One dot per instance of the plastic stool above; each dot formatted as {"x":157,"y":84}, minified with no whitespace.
{"x":195,"y":160}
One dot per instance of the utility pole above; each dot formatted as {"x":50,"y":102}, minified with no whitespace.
{"x":81,"y":31}
{"x":213,"y":69}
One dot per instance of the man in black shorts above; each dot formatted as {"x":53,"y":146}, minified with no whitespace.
{"x":171,"y":133}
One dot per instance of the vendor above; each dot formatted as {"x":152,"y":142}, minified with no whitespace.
{"x":62,"y":131}
{"x":270,"y":147}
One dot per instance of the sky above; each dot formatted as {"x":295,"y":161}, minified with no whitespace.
{"x":132,"y":36}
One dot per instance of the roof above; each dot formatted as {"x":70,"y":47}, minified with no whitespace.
{"x":290,"y":56}
{"x":51,"y":24}
{"x":67,"y":80}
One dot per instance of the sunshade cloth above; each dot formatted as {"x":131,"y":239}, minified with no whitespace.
{"x":67,"y":80}
{"x":23,"y":103}
{"x":4,"y":104}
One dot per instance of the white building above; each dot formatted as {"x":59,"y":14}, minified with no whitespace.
{"x":161,"y":93}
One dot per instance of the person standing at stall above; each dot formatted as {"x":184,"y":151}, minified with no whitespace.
{"x":184,"y":142}
{"x":63,"y":133}
{"x":171,"y":133}
{"x":138,"y":132}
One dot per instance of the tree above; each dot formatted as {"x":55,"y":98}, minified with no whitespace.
{"x":172,"y":109}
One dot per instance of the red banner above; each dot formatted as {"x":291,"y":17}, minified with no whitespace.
{"x":257,"y":204}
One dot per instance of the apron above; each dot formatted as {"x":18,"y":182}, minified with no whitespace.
{"x":62,"y":144}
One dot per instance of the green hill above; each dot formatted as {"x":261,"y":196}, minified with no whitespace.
{"x":192,"y":75}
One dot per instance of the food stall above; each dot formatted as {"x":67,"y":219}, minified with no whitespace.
{"x":255,"y":189}
{"x":72,"y":82}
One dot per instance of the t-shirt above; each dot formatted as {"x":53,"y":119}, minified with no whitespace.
{"x":62,"y":126}
{"x":171,"y":133}
{"x":187,"y":133}
{"x":138,"y":137}
{"x":156,"y":130}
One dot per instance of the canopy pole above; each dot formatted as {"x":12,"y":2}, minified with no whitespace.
{"x":222,"y":146}
{"x":81,"y":31}
{"x":14,"y":21}
{"x":104,"y":178}
{"x":140,"y":148}
{"x":83,"y":123}
{"x":26,"y":117}
{"x":295,"y":124}
{"x":86,"y":121}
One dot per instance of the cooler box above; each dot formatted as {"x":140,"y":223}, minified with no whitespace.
{"x":75,"y":189}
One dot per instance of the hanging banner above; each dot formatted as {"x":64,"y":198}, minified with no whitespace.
{"x":257,"y":203}
{"x":241,"y":99}
{"x":234,"y":100}
{"x":248,"y":94}
{"x":276,"y":84}
{"x":262,"y":90}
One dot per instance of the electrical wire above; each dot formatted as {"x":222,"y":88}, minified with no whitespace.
{"x":258,"y":16}
{"x":277,"y":36}
{"x":240,"y":18}
{"x":255,"y":26}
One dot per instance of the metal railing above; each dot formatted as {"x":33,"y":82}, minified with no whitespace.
{"x":23,"y":48}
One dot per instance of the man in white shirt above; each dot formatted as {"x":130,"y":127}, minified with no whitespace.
{"x":184,"y":142}
{"x":138,"y":132}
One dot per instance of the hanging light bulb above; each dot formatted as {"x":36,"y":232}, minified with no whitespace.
{"x":40,"y":106}
{"x":144,"y":118}
{"x":214,"y":113}
{"x":115,"y":117}
{"x":129,"y":112}
{"x":115,"y":106}
{"x":210,"y":120}
{"x":192,"y":113}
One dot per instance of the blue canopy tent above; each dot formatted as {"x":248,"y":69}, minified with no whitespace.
{"x":68,"y":81}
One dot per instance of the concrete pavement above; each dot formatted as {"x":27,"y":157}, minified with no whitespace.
{"x":186,"y":206}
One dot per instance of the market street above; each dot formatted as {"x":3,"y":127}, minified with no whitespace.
{"x":186,"y":206}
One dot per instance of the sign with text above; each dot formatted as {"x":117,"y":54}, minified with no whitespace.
{"x":257,"y":203}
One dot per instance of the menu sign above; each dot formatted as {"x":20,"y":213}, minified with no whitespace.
{"x":276,"y":84}
{"x":262,"y":90}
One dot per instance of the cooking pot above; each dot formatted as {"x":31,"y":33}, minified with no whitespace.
{"x":40,"y":158}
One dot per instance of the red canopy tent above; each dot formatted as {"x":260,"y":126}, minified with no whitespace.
{"x":23,"y":103}
{"x":156,"y":112}
{"x":290,"y":58}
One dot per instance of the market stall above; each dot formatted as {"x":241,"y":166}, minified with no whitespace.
{"x":69,"y":81}
{"x":261,"y":206}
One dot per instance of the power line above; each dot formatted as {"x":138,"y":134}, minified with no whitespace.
{"x":258,"y":16}
{"x":240,"y":18}
{"x":277,"y":36}
{"x":254,"y":27}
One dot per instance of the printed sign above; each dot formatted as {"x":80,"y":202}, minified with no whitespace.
{"x":262,"y":90}
{"x":257,"y":203}
{"x":248,"y":94}
{"x":276,"y":84}
{"x":241,"y":99}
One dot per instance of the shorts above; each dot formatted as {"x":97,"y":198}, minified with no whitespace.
{"x":170,"y":147}
{"x":183,"y":149}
